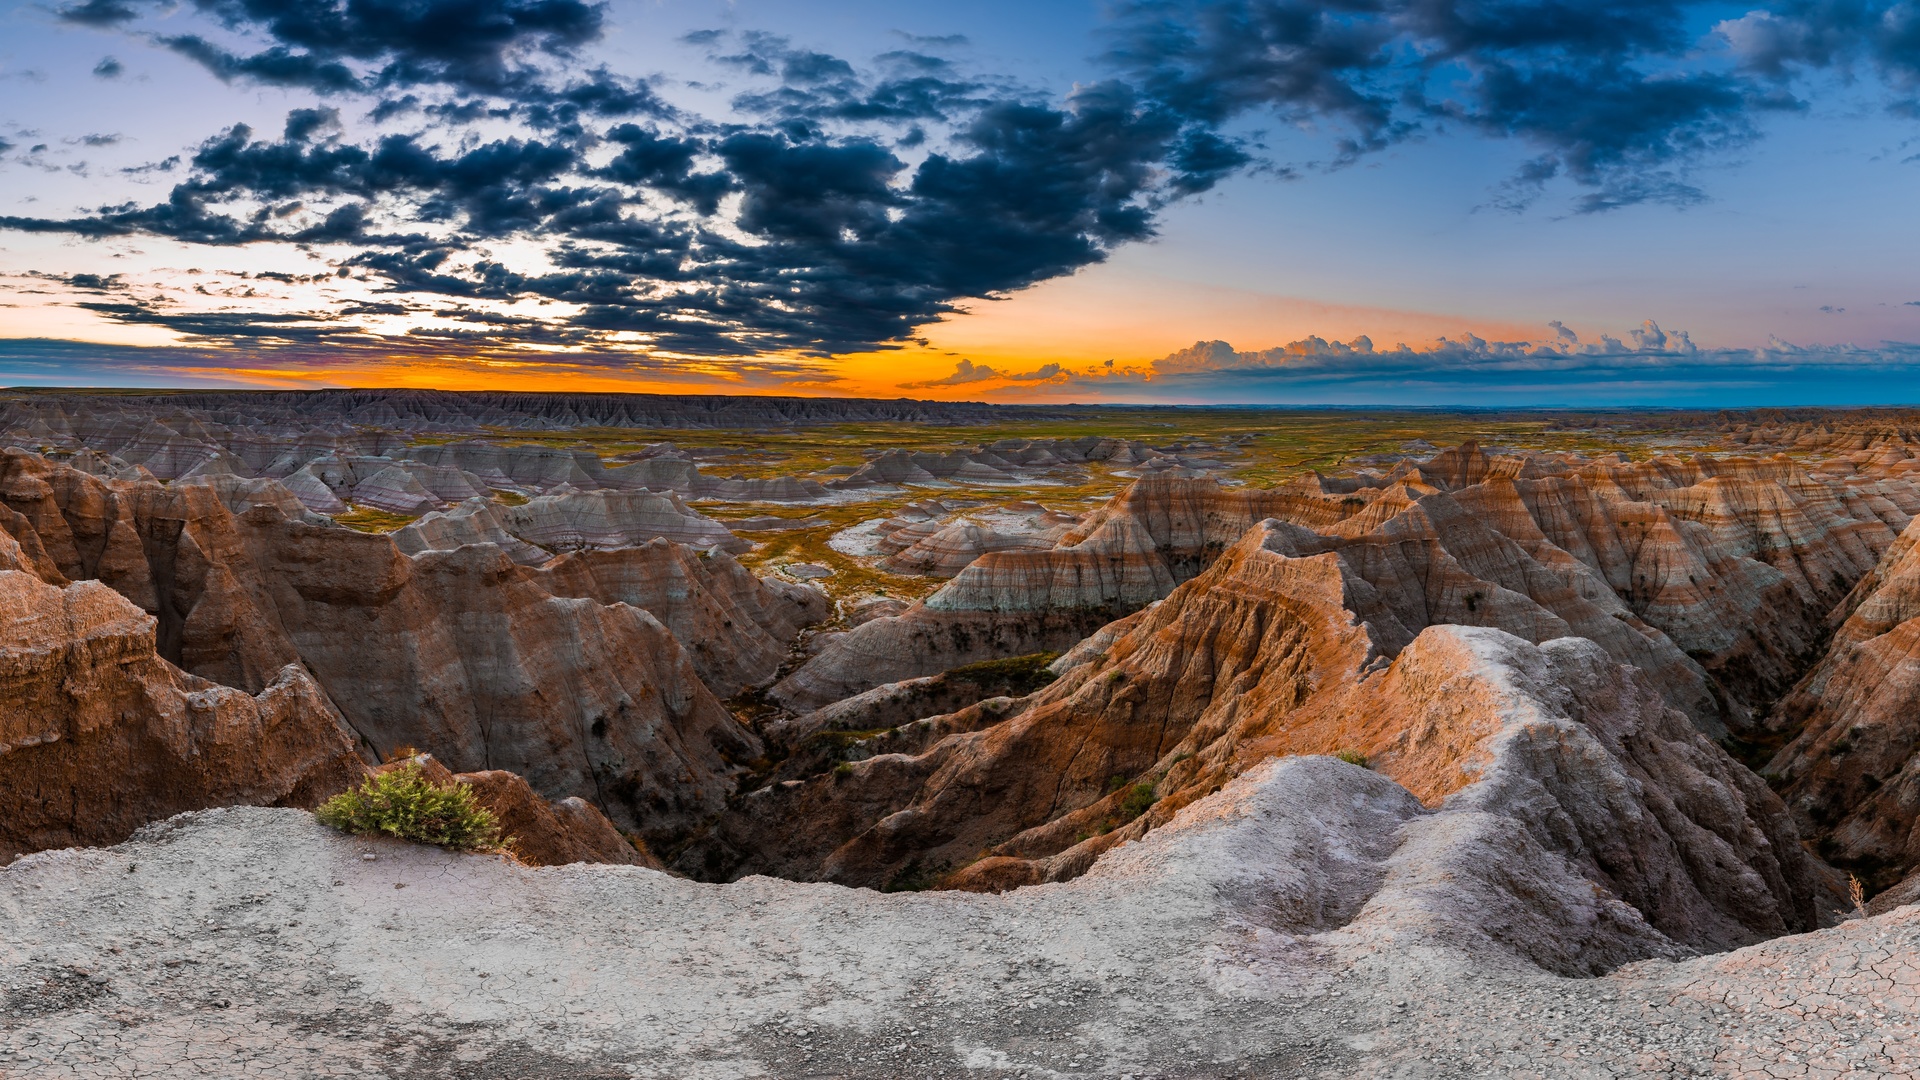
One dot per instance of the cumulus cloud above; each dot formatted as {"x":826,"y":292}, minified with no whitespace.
{"x":1647,"y":342}
{"x":966,"y":371}
{"x":1612,"y":95}
{"x":1647,"y":365}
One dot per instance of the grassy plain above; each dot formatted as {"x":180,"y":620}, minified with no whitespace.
{"x":1285,"y":441}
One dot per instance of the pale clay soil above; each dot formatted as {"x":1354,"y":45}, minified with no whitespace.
{"x":253,"y":942}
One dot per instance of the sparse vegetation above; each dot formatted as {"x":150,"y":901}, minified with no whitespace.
{"x":404,"y":803}
{"x":1138,"y":800}
{"x":1353,"y":757}
{"x":1021,"y":674}
{"x":368,"y":520}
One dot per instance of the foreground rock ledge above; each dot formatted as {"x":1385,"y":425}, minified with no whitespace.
{"x":254,"y":942}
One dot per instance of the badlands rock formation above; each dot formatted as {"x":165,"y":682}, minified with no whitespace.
{"x":99,"y":735}
{"x":296,"y":414}
{"x":1716,"y":575}
{"x":1848,"y":771}
{"x":1213,"y":779}
{"x":1270,"y":654}
{"x":1012,"y":461}
{"x":463,"y":652}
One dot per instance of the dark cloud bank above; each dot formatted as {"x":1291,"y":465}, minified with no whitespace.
{"x":844,"y":205}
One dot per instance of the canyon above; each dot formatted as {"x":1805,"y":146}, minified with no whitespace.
{"x":903,"y":738}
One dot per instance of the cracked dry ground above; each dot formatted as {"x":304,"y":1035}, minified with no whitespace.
{"x":252,"y":942}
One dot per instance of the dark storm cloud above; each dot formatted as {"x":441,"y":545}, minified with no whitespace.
{"x":666,"y":164}
{"x":100,"y":13}
{"x":336,"y":46}
{"x":1606,"y":92}
{"x":830,"y":241}
{"x":816,"y":88}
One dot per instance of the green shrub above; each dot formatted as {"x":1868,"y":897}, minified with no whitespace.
{"x":404,"y":803}
{"x":1353,"y":757}
{"x":1136,"y":801}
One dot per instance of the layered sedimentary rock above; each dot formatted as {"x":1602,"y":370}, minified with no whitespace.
{"x":1737,"y":561}
{"x":476,"y":521}
{"x":1716,"y":574}
{"x":902,"y":703}
{"x":330,"y":466}
{"x":606,"y":519}
{"x":460,"y":652}
{"x":1854,"y":724}
{"x":944,"y":545}
{"x":1551,"y":746}
{"x":737,"y":628}
{"x":99,"y":735}
{"x":1150,"y":537}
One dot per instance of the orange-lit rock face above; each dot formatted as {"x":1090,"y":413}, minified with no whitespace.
{"x":560,"y":675}
{"x":99,"y":735}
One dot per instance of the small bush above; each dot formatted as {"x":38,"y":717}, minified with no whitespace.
{"x":1353,"y":757}
{"x":1137,"y":800}
{"x":404,"y":803}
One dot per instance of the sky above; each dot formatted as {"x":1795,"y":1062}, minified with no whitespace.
{"x":1367,"y":202}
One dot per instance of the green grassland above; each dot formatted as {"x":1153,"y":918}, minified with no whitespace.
{"x":1284,"y":442}
{"x":366,"y":519}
